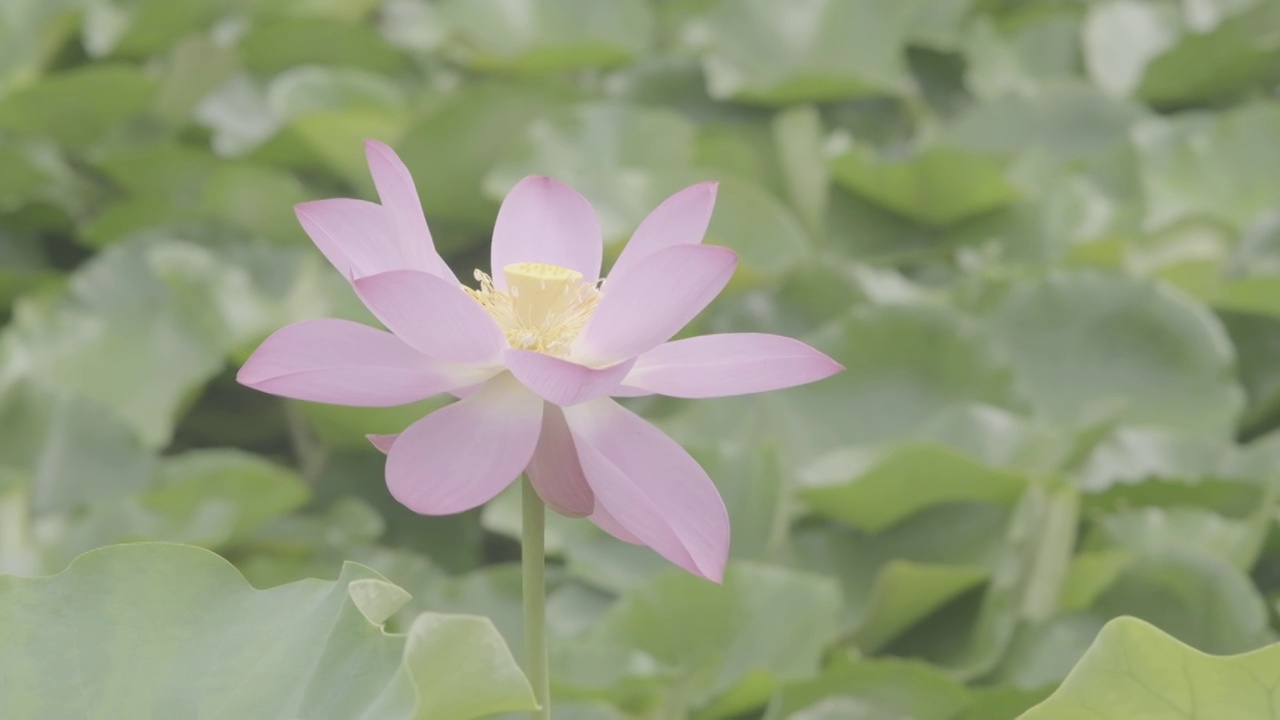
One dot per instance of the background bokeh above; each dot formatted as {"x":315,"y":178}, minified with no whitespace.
{"x":1042,"y":235}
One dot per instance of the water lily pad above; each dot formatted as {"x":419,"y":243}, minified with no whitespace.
{"x":161,"y":630}
{"x":1142,"y":672}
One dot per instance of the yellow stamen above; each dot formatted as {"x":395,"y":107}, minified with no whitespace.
{"x":544,"y":307}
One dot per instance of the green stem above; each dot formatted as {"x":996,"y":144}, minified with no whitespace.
{"x":534,"y":587}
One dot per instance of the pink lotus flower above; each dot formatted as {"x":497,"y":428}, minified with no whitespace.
{"x":534,"y":354}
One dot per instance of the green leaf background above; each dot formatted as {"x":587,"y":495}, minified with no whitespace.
{"x":1043,"y":237}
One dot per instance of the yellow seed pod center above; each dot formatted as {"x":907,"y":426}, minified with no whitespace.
{"x":540,"y":291}
{"x":543,"y":308}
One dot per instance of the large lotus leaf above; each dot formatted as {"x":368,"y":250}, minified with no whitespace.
{"x":149,"y":321}
{"x":1022,"y":58}
{"x":1042,"y":653}
{"x":22,"y":181}
{"x":1068,"y":121}
{"x":1198,"y":598}
{"x":1154,"y":466}
{"x":140,"y":28}
{"x":1257,"y":341}
{"x":1090,"y":574}
{"x":1028,"y":572}
{"x":246,"y":115}
{"x":411,"y":25}
{"x":895,"y":579}
{"x":310,"y":545}
{"x":1222,"y":167}
{"x":203,"y":482}
{"x":210,"y":498}
{"x":452,"y":541}
{"x":1087,"y":345}
{"x":736,"y":642}
{"x":145,"y":324}
{"x":23,"y":263}
{"x":909,"y":363}
{"x":1001,"y":702}
{"x":1153,"y":531}
{"x":168,"y":184}
{"x":1209,"y":51}
{"x":1129,"y":455}
{"x":905,"y":592}
{"x":1000,"y":439}
{"x":1134,"y":671}
{"x":31,"y":31}
{"x":1029,"y":576}
{"x":197,"y":66}
{"x":880,"y":689}
{"x":347,"y":11}
{"x":277,"y":45}
{"x":938,"y":24}
{"x":1120,"y":37}
{"x":164,"y":631}
{"x":938,"y":186}
{"x":65,"y":451}
{"x":809,"y":50}
{"x":53,"y":108}
{"x":1237,"y":52}
{"x":547,"y":35}
{"x":874,"y":488}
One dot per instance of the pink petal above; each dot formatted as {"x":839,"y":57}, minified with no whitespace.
{"x":435,"y":316}
{"x":346,"y":363}
{"x":404,"y":209}
{"x":729,"y":364}
{"x":651,"y":302}
{"x":382,"y":442}
{"x":650,"y":486}
{"x":358,"y":237}
{"x":545,"y":221}
{"x":463,"y":454}
{"x":609,"y":524}
{"x":555,"y":470}
{"x":622,"y":500}
{"x":561,"y":381}
{"x":681,"y":219}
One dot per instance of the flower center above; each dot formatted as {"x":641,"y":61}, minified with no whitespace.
{"x":544,"y":307}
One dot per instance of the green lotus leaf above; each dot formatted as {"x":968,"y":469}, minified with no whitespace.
{"x":164,"y":631}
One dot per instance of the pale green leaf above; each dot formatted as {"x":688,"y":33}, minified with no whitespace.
{"x":170,"y":630}
{"x":736,"y":642}
{"x":544,"y":36}
{"x":52,"y":108}
{"x":938,"y":186}
{"x":809,"y":50}
{"x":874,"y":488}
{"x":1133,"y":670}
{"x":1220,"y":167}
{"x":882,"y":689}
{"x":1083,"y":343}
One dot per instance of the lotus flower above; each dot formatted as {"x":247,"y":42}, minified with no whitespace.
{"x":534,"y":353}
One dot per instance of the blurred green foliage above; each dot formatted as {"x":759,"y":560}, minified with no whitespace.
{"x":1042,"y":235}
